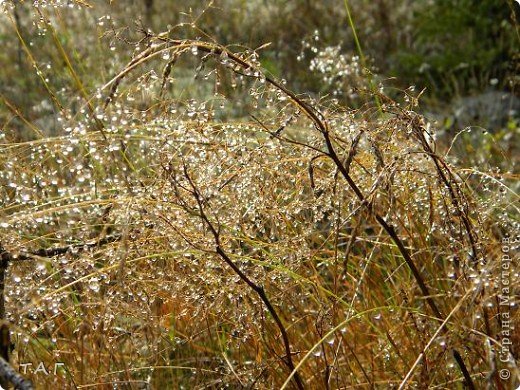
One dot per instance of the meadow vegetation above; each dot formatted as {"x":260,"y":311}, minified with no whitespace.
{"x":178,"y":210}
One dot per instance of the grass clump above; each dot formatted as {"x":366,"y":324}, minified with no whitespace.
{"x":220,"y":230}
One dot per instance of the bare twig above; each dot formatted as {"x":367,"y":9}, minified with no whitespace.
{"x":8,"y":373}
{"x":56,"y":251}
{"x":259,"y":290}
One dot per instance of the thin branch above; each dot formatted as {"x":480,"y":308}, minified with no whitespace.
{"x":8,"y":373}
{"x":56,"y":251}
{"x":259,"y":290}
{"x":450,"y":183}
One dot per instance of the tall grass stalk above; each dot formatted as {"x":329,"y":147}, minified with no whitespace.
{"x":371,"y":83}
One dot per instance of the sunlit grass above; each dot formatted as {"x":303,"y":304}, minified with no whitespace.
{"x":342,"y":235}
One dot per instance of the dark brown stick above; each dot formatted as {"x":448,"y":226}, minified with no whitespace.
{"x":51,"y":252}
{"x":259,"y":290}
{"x":9,"y":374}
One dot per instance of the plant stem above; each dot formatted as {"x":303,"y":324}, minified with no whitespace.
{"x":362,"y":56}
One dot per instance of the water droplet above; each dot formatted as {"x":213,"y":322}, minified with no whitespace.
{"x":93,"y":284}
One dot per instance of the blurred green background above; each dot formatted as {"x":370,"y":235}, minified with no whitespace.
{"x":463,"y":53}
